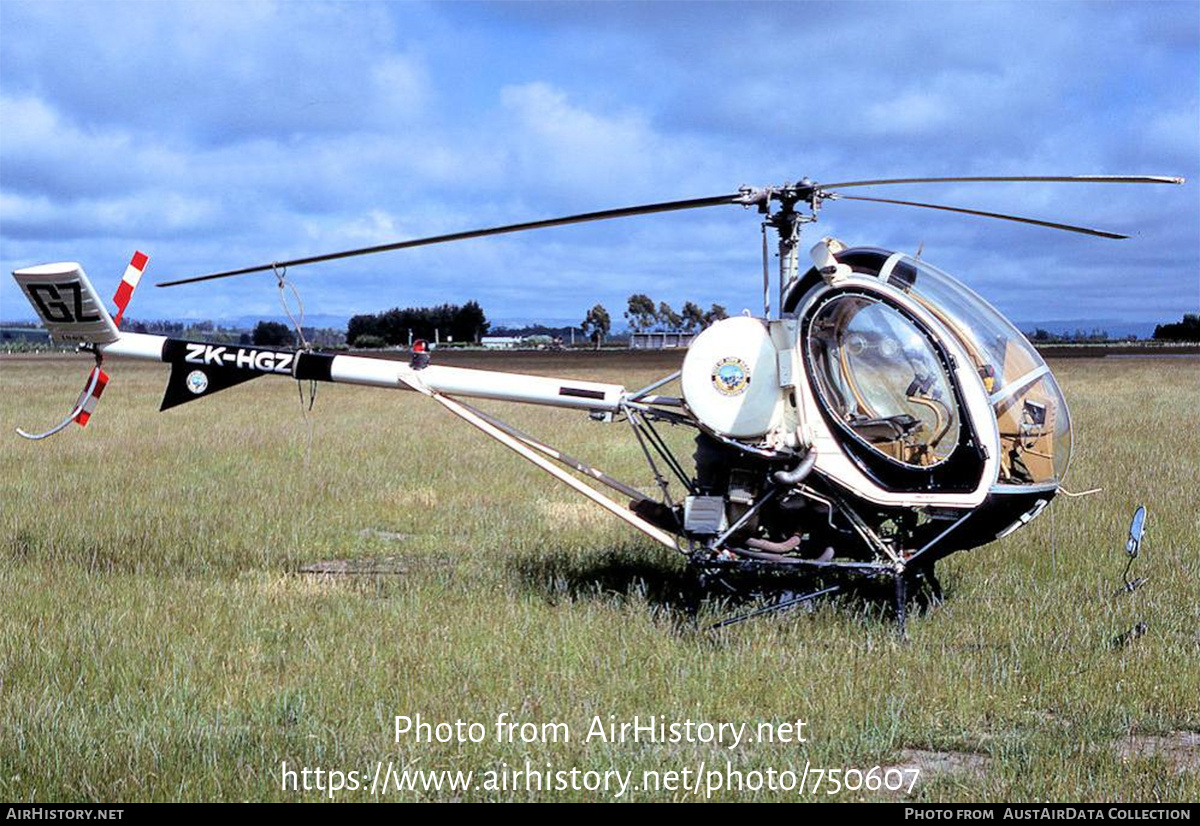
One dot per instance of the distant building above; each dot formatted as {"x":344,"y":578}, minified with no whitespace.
{"x":660,"y":341}
{"x":501,"y":342}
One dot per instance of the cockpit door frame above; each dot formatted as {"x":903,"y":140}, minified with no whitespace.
{"x":835,"y":464}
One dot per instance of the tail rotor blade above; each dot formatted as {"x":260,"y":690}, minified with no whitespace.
{"x":1051,"y":224}
{"x":97,"y":381}
{"x":129,"y":282}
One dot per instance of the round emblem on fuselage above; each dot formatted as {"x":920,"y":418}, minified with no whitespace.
{"x":731,"y":376}
{"x":197,"y":382}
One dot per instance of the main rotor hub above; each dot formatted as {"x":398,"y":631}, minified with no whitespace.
{"x":788,"y":197}
{"x":786,"y":220}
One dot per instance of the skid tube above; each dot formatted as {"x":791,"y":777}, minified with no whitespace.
{"x":771,"y":573}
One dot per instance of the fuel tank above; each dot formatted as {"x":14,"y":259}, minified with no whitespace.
{"x":731,"y":378}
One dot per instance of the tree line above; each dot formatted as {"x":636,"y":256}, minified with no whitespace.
{"x":1186,"y":330}
{"x":447,"y":322}
{"x":643,"y":315}
{"x":1080,"y":336}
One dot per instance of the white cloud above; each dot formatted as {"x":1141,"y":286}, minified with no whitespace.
{"x":569,"y":147}
{"x":911,"y":113}
{"x":401,"y":88}
{"x":264,"y":130}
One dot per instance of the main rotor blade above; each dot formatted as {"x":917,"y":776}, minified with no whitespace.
{"x":1017,"y":218}
{"x":623,"y":212}
{"x":1084,"y":179}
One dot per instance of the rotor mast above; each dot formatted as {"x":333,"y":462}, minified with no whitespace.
{"x":786,"y":221}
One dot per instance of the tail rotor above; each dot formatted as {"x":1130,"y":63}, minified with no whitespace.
{"x":71,"y":310}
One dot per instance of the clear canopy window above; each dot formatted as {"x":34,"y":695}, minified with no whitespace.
{"x":878,"y":372}
{"x":1035,"y":434}
{"x":1035,"y":428}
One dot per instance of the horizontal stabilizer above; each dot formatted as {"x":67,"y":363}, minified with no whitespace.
{"x":67,"y":304}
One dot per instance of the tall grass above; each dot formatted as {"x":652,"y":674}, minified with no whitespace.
{"x":158,"y":642}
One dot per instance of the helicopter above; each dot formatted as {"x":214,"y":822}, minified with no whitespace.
{"x":878,"y":416}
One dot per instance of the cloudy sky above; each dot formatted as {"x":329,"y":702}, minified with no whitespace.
{"x":212,"y":135}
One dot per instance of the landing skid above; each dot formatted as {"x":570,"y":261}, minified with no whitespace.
{"x":792,"y":584}
{"x":787,"y":601}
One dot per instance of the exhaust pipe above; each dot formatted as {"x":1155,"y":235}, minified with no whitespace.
{"x":797,"y":474}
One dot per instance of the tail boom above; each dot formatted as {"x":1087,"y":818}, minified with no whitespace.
{"x":205,"y":368}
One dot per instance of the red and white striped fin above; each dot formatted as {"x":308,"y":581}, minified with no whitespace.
{"x":87,"y":401}
{"x":129,"y":282}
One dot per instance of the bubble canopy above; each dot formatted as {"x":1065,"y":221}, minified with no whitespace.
{"x":1035,"y":426}
{"x":1030,"y":411}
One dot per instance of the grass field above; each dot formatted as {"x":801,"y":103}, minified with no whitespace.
{"x":158,"y":642}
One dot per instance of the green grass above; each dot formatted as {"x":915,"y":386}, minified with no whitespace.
{"x":158,"y":643}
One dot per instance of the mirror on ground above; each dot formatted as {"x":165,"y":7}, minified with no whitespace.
{"x":1137,"y":528}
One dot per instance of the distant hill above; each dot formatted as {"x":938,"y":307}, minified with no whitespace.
{"x":1115,"y":328}
{"x":337,"y":322}
{"x":530,"y":321}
